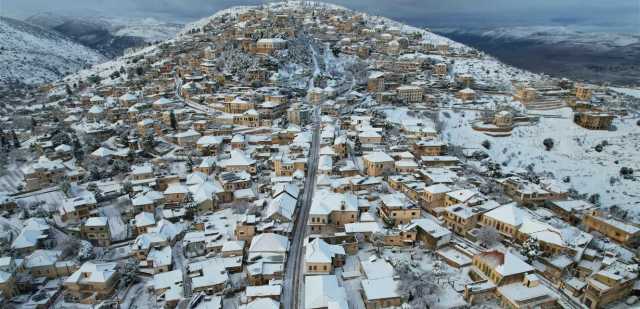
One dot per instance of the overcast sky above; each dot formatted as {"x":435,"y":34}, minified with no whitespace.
{"x":615,"y":15}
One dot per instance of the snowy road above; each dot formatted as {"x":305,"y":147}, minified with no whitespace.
{"x":294,"y":277}
{"x":294,"y":274}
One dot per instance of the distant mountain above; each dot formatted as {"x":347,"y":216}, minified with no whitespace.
{"x":30,"y":55}
{"x":110,"y":36}
{"x":560,"y":51}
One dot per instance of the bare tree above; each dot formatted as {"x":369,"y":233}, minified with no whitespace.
{"x":377,"y":240}
{"x":417,"y":287}
{"x":488,"y":236}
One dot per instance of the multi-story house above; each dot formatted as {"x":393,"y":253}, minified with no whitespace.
{"x":429,"y":147}
{"x":43,"y":173}
{"x":92,"y":283}
{"x":621,"y":232}
{"x":394,"y":210}
{"x":97,"y":231}
{"x":610,"y":284}
{"x":378,"y":164}
{"x":321,"y":257}
{"x":331,"y":211}
{"x":410,"y":93}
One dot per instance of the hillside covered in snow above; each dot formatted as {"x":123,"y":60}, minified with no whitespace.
{"x":30,"y":55}
{"x":560,"y":51}
{"x":110,"y":36}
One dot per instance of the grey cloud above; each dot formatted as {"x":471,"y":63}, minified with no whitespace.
{"x":418,"y":12}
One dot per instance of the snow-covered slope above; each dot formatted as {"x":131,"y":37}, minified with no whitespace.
{"x":563,"y":35}
{"x":573,"y":154}
{"x":29,"y":54}
{"x":149,"y":29}
{"x":560,"y":51}
{"x":109,"y":35}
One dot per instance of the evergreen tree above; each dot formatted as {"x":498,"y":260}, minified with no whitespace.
{"x":189,"y":164}
{"x":530,"y":249}
{"x":16,"y":141}
{"x":65,"y":187}
{"x":172,"y":119}
{"x":3,"y":140}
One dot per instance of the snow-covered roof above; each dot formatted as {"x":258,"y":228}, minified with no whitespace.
{"x":213,"y":273}
{"x":262,"y":303}
{"x":430,"y":227}
{"x":144,"y":219}
{"x":383,"y":288}
{"x":147,"y":240}
{"x":160,"y":257}
{"x":176,"y":188}
{"x":378,"y":157}
{"x":264,"y":290}
{"x":233,"y":245}
{"x":93,"y":273}
{"x":97,"y":221}
{"x":323,"y":291}
{"x":510,"y":214}
{"x":270,"y":243}
{"x":376,"y":269}
{"x":326,"y":202}
{"x":319,"y":251}
{"x":238,"y":158}
{"x":362,"y":227}
{"x":42,"y":257}
{"x":208,"y":140}
{"x":506,"y":263}
{"x":284,"y":205}
{"x":168,"y":280}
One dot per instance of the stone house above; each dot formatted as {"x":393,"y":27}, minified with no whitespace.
{"x":92,"y":283}
{"x":378,"y":164}
{"x":621,"y":232}
{"x":97,"y":231}
{"x":593,"y":120}
{"x":394,"y":210}
{"x":321,"y":257}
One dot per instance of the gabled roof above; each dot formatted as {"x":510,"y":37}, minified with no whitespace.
{"x":319,"y":251}
{"x":238,"y":158}
{"x":323,"y":291}
{"x":510,"y":214}
{"x":91,"y":272}
{"x":326,"y":202}
{"x":269,"y":242}
{"x":144,"y":219}
{"x":378,"y":157}
{"x":284,"y":205}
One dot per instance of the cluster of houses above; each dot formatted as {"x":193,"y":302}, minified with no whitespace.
{"x":190,"y":174}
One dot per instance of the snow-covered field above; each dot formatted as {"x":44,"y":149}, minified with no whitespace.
{"x":149,"y":29}
{"x":573,"y":154}
{"x":559,"y":34}
{"x":33,"y":55}
{"x":627,"y":91}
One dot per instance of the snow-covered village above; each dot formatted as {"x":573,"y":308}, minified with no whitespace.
{"x":304,"y":155}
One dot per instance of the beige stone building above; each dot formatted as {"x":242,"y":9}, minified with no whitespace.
{"x":92,"y":283}
{"x":410,"y":93}
{"x":395,"y":210}
{"x":267,"y":46}
{"x":593,"y":120}
{"x":97,"y":231}
{"x":378,"y":164}
{"x":621,"y":232}
{"x":331,"y":211}
{"x":321,"y":257}
{"x":583,"y":92}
